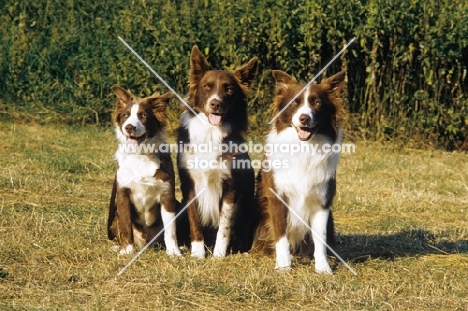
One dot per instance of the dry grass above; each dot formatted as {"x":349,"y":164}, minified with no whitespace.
{"x":401,"y":221}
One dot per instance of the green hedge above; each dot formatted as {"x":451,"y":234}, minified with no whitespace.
{"x":406,"y":71}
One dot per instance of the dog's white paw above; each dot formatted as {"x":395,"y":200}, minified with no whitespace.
{"x":283,"y":255}
{"x":219,"y":252}
{"x":198,"y":250}
{"x":175,"y":251}
{"x":127,"y":250}
{"x":323,"y":268}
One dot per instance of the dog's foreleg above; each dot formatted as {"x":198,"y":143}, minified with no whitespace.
{"x":124,"y":221}
{"x":278,"y":214}
{"x":319,"y":234}
{"x":197,"y":243}
{"x":224,"y":231}
{"x":170,"y":236}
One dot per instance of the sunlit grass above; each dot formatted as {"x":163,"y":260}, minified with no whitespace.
{"x":401,"y":222}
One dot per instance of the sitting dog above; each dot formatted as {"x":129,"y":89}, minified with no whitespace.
{"x":295,"y":201}
{"x":143,"y":196}
{"x":220,"y":191}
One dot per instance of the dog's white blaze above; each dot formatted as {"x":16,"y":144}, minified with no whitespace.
{"x":214,"y":96}
{"x":283,"y":254}
{"x":135,"y":121}
{"x":170,"y":237}
{"x":304,"y":109}
{"x":224,"y":231}
{"x":198,"y":249}
{"x":319,"y":234}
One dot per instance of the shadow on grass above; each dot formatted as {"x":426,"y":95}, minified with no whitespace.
{"x":360,"y":248}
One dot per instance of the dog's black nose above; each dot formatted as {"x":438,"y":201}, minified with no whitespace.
{"x":215,"y":104}
{"x":304,"y":119}
{"x":129,"y":128}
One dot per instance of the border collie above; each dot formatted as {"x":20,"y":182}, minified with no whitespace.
{"x":223,"y":211}
{"x":308,"y":185}
{"x":143,"y":196}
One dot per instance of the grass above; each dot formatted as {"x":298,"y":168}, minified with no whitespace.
{"x":401,"y":219}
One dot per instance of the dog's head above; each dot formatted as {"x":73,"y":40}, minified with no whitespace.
{"x":315,"y":110}
{"x":219,"y":94}
{"x":137,"y":119}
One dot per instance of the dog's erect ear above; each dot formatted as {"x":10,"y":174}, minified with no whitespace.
{"x":247,"y":72}
{"x":198,"y":65}
{"x":123,"y":95}
{"x":336,"y":83}
{"x":282,"y":79}
{"x":158,"y":105}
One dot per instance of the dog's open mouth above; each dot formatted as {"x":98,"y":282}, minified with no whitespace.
{"x":304,"y":133}
{"x":215,"y":118}
{"x":136,"y":140}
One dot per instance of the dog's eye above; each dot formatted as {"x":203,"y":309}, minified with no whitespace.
{"x":229,"y":89}
{"x":144,"y":115}
{"x":125,"y":114}
{"x":317,"y":103}
{"x":206,"y":86}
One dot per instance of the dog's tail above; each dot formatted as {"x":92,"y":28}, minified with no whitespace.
{"x":112,"y":210}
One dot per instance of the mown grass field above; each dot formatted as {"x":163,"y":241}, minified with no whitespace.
{"x":401,"y":220}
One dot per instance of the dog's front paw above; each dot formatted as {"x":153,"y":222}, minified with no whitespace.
{"x":174,"y":251}
{"x":282,"y":269}
{"x":323,"y":268}
{"x":127,"y":250}
{"x":198,"y":249}
{"x":218,"y":252}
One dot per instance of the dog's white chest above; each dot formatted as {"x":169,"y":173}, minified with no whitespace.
{"x":136,"y":172}
{"x":305,"y":178}
{"x":206,"y":167}
{"x":134,"y":167}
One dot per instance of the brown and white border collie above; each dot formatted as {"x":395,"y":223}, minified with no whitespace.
{"x":143,"y":196}
{"x":219,"y":100}
{"x":308,"y":184}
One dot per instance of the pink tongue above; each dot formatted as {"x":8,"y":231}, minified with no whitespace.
{"x":303,"y":134}
{"x":214,"y":119}
{"x":132,"y":141}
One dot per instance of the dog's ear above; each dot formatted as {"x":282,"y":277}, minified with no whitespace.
{"x":123,"y":95}
{"x":198,"y":65}
{"x":282,"y":79}
{"x":336,"y":83}
{"x":247,"y":72}
{"x":158,"y":105}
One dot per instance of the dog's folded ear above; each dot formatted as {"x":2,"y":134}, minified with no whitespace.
{"x":336,"y":83}
{"x":247,"y":72}
{"x":158,"y":104}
